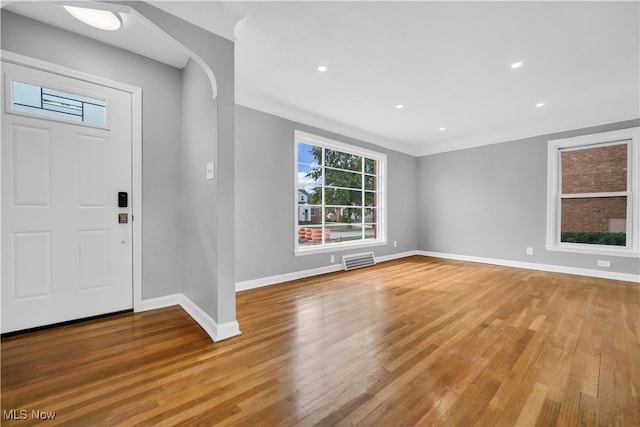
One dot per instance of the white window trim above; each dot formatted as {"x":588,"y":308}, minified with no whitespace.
{"x":381,"y":190}
{"x":632,"y":249}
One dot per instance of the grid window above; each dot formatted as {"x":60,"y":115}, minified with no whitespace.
{"x":340,"y":199}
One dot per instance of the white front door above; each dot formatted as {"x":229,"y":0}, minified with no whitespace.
{"x":66,"y":155}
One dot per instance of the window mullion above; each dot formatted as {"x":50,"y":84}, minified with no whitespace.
{"x":362,"y":197}
{"x":559,"y":199}
{"x":594,"y":195}
{"x":631,"y":215}
{"x":323,"y":211}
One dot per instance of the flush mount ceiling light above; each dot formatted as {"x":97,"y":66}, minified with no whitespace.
{"x":517,"y":64}
{"x":442,"y":129}
{"x":540,"y":105}
{"x":399,"y":106}
{"x":102,"y":19}
{"x":322,"y":68}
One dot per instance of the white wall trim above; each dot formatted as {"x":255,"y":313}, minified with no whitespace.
{"x":222,"y":331}
{"x":49,"y":67}
{"x":535,"y":266}
{"x":227,"y":330}
{"x":287,"y":277}
{"x":473,"y":142}
{"x":217,"y":332}
{"x":259,"y":103}
{"x":399,"y":255}
{"x":136,"y":189}
{"x":160,"y":302}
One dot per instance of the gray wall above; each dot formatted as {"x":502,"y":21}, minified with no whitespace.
{"x":210,"y":279}
{"x":265,"y":202}
{"x":486,"y":202}
{"x":161,"y":121}
{"x":491,"y":202}
{"x":218,"y":54}
{"x":199,"y":214}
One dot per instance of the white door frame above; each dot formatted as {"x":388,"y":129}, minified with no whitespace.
{"x":136,"y":150}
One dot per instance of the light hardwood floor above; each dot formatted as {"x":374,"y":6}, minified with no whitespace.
{"x":417,"y":341}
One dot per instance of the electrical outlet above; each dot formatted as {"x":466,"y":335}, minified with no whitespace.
{"x":603,"y":263}
{"x":333,"y":259}
{"x":529,"y":251}
{"x":395,"y":243}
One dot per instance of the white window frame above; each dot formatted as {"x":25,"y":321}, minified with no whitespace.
{"x":630,"y":136}
{"x":381,"y":197}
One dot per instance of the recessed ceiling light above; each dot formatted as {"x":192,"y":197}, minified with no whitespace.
{"x":540,"y":104}
{"x":102,"y":19}
{"x":517,"y":64}
{"x":322,"y":68}
{"x":399,"y":106}
{"x":442,"y":129}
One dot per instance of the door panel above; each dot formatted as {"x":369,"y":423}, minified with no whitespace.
{"x":93,"y":171}
{"x":65,"y":256}
{"x":30,"y":162}
{"x":30,"y":265}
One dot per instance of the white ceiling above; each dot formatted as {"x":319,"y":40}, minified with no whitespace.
{"x":446,"y":62}
{"x":135,"y":35}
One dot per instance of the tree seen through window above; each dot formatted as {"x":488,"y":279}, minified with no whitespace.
{"x":342,"y":188}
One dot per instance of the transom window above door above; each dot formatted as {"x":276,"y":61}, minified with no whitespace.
{"x":33,"y":99}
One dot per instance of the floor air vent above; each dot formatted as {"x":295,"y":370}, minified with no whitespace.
{"x":351,"y":262}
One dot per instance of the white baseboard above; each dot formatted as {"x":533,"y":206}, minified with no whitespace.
{"x":227,"y":330}
{"x":222,"y":331}
{"x":396,"y":256}
{"x":287,"y":277}
{"x":160,"y":302}
{"x":217,"y":332}
{"x":274,"y":280}
{"x":535,"y":266}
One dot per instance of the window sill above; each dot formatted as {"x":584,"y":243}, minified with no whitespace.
{"x":336,"y":247}
{"x":594,"y":250}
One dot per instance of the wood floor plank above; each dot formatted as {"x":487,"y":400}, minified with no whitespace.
{"x":532,"y":408}
{"x":548,"y":415}
{"x":416,"y":341}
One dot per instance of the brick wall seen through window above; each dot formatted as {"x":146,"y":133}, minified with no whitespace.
{"x":593,"y":193}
